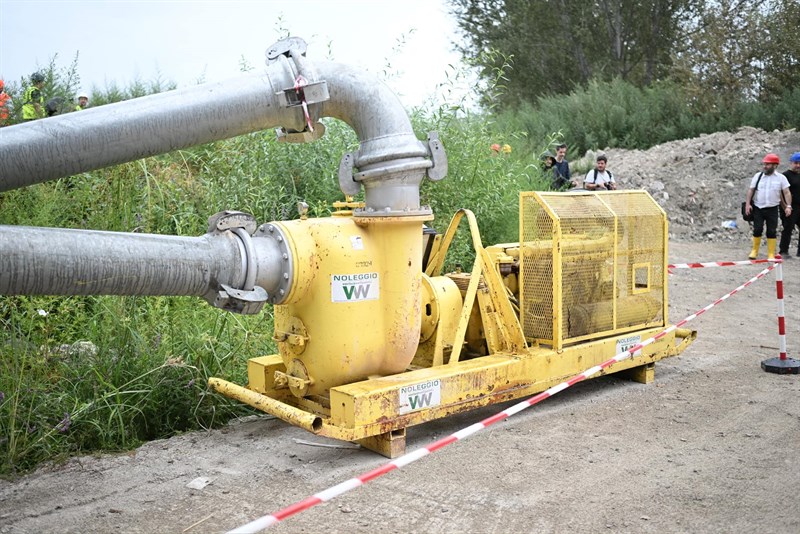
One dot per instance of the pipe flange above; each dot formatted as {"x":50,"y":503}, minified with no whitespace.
{"x":424,"y":213}
{"x":274,"y":232}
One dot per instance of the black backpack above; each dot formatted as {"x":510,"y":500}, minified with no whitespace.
{"x":749,"y":218}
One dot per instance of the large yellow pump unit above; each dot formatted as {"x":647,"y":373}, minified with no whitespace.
{"x":372,"y":336}
{"x":370,"y":343}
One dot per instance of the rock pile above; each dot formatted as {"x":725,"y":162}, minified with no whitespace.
{"x":702,"y":182}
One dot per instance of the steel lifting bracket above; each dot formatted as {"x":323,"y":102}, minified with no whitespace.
{"x":438,"y":158}
{"x":239,"y":301}
{"x":347,"y":183}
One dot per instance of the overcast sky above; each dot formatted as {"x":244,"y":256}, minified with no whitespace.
{"x":191,"y":41}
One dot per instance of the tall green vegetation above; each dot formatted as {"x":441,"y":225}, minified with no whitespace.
{"x":618,"y":114}
{"x":743,"y":49}
{"x":632,"y":74}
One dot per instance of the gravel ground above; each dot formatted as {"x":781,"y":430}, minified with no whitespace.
{"x":710,"y":446}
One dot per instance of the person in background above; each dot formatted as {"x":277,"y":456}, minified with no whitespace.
{"x":54,"y":106}
{"x":557,"y":182}
{"x":83,"y":101}
{"x":4,"y":100}
{"x":599,"y":178}
{"x":793,"y":177}
{"x":561,"y":166}
{"x":33,"y":99}
{"x":768,"y":190}
{"x":548,"y":160}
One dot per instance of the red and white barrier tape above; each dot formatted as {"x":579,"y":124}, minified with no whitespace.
{"x":324,"y":496}
{"x":719,"y":264}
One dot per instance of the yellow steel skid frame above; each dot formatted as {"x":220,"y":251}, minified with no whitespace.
{"x":375,"y":412}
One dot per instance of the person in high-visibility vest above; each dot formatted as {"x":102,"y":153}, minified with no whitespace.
{"x":4,"y":100}
{"x":33,"y":99}
{"x":83,"y":101}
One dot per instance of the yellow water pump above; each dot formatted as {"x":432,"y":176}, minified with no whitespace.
{"x":375,"y":338}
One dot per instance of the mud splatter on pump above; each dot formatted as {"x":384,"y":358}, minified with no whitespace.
{"x":372,"y":336}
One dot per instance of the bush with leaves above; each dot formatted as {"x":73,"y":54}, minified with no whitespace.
{"x":619,"y":115}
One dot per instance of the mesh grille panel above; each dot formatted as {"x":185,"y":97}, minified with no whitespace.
{"x":591,"y":264}
{"x":536,"y":268}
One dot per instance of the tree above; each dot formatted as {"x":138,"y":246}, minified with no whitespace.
{"x":738,"y":51}
{"x":555,"y":45}
{"x":780,"y":49}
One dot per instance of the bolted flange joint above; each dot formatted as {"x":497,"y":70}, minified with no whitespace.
{"x":305,"y":91}
{"x":248,"y":299}
{"x":273,"y":232}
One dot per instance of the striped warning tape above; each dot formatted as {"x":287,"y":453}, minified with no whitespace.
{"x":719,"y":264}
{"x":324,"y":496}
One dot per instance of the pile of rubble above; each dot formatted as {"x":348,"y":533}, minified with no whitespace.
{"x":702,"y":182}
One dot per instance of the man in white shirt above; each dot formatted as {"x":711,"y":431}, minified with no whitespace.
{"x":768,"y":190}
{"x":599,"y":178}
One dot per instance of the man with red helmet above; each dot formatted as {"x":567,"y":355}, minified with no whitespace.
{"x":769,"y":190}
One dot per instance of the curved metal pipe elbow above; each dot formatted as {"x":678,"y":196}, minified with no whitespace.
{"x":373,"y":111}
{"x":391,"y":162}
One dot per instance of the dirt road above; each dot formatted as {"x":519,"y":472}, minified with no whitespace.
{"x":712,"y":446}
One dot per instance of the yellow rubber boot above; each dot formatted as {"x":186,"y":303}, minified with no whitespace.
{"x":771,"y":248}
{"x":756,"y":244}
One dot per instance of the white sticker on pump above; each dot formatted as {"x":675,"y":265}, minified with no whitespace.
{"x":357,"y":243}
{"x":418,"y":396}
{"x":355,"y":287}
{"x":624,"y":343}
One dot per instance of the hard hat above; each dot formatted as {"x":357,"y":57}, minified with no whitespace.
{"x":37,"y":77}
{"x":795,"y":157}
{"x":506,"y":149}
{"x":771,"y":158}
{"x":495,"y":147}
{"x":83,"y":96}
